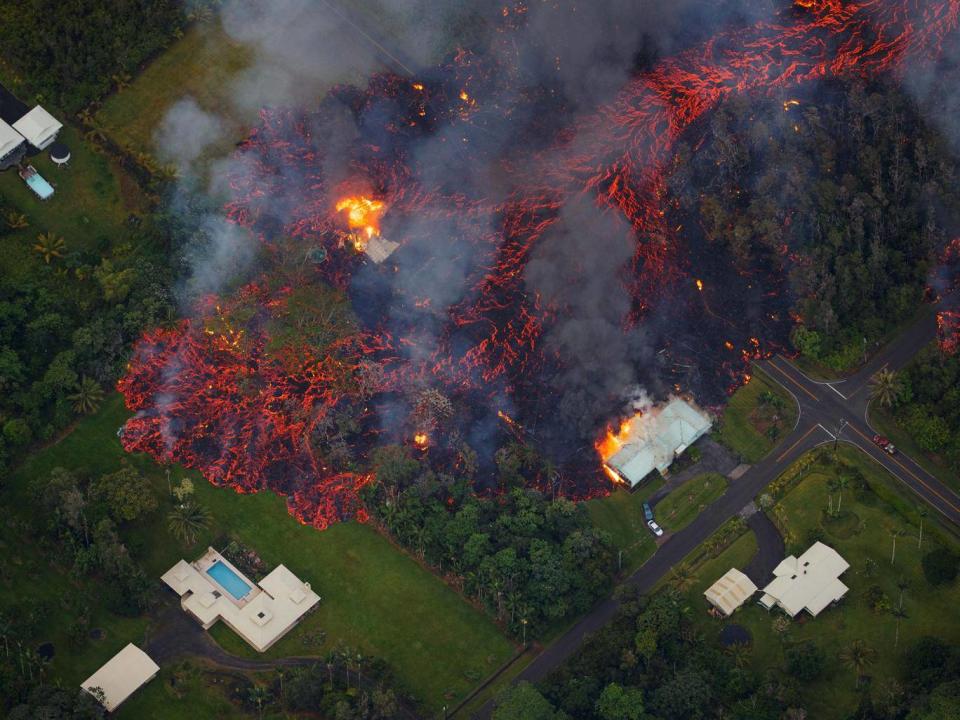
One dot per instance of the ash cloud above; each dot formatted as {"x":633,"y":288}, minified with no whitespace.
{"x":186,"y":132}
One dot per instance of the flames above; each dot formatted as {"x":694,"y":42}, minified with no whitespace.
{"x":611,"y":442}
{"x":363,"y":216}
{"x":220,"y":393}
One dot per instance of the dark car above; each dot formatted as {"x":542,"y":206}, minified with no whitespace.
{"x":647,"y":511}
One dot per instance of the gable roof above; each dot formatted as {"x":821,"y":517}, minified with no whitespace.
{"x":10,"y":139}
{"x":730,"y":591}
{"x":37,"y":125}
{"x":122,"y":675}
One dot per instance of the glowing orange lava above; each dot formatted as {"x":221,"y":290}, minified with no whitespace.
{"x":363,"y":214}
{"x":421,"y":440}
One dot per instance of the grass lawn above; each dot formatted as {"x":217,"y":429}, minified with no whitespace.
{"x":862,"y":534}
{"x":375,"y":598}
{"x":682,"y":505}
{"x":745,"y":420}
{"x":93,"y":199}
{"x":621,"y":514}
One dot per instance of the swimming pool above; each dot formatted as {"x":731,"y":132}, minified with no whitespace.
{"x":40,"y":186}
{"x":228,"y":580}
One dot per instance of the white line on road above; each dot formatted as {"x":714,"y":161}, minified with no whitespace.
{"x":827,"y":431}
{"x":829,"y":385}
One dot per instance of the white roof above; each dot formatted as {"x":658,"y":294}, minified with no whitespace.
{"x":809,"y":582}
{"x":730,"y":592}
{"x":9,"y":139}
{"x":657,"y":437}
{"x":261,"y":618}
{"x":379,"y":249}
{"x":37,"y":126}
{"x":123,"y":674}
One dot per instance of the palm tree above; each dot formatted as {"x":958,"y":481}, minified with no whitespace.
{"x":15,"y":220}
{"x":88,"y":396}
{"x":50,"y":247}
{"x":682,"y":577}
{"x":258,"y":696}
{"x":740,"y":654}
{"x":900,"y":614}
{"x":794,"y":714}
{"x":843,"y":482}
{"x":895,"y":532}
{"x":858,"y":656}
{"x":885,"y":387}
{"x":188,"y":520}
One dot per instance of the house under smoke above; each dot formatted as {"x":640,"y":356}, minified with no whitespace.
{"x":656,"y":438}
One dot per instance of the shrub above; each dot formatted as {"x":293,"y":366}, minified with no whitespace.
{"x":805,"y":661}
{"x":940,"y":566}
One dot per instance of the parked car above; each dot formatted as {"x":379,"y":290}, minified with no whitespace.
{"x":885,"y":444}
{"x":647,"y":511}
{"x":654,"y":528}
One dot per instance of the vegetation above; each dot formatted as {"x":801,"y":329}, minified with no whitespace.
{"x":755,"y":417}
{"x":77,"y":51}
{"x":847,"y":185}
{"x":529,"y":561}
{"x":682,"y":505}
{"x":438,"y":646}
{"x":620,"y":514}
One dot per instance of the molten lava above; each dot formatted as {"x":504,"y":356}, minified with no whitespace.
{"x":230,"y":394}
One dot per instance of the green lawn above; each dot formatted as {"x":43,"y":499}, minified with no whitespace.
{"x":201,"y":64}
{"x":375,"y":598}
{"x":682,"y":505}
{"x":93,"y":199}
{"x":861,"y":534}
{"x":621,"y":514}
{"x":745,"y":421}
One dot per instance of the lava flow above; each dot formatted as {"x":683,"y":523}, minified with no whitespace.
{"x":256,"y":405}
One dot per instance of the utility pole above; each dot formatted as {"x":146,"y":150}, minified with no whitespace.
{"x":620,"y":556}
{"x":836,"y":438}
{"x":524,"y":623}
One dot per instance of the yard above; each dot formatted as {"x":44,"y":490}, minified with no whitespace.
{"x":756,"y":416}
{"x":374,"y":597}
{"x":621,"y":514}
{"x":93,"y":199}
{"x":863,"y":534}
{"x":682,"y":505}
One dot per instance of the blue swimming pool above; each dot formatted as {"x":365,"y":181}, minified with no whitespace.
{"x":40,"y":186}
{"x":228,"y":580}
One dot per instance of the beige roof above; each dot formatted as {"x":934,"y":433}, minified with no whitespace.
{"x":730,"y":592}
{"x":261,"y":618}
{"x":809,"y":582}
{"x":10,"y":139}
{"x":38,"y":126}
{"x":123,"y":674}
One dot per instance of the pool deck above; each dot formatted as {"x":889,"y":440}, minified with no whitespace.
{"x":261,"y":617}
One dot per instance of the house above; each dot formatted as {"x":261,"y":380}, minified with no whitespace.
{"x":12,"y":146}
{"x":212,"y":589}
{"x":730,"y":592}
{"x":39,"y":128}
{"x":655,"y":438}
{"x":379,"y":248}
{"x":810,"y":582}
{"x":123,"y":675}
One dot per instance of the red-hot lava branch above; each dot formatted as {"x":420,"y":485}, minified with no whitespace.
{"x":222,"y":394}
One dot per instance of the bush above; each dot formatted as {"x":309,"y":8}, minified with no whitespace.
{"x":940,"y":566}
{"x":805,"y":661}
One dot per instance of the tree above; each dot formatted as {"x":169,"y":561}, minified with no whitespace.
{"x":843,"y":482}
{"x":88,"y":397}
{"x":900,"y":614}
{"x":619,"y":703}
{"x":524,"y":702}
{"x":885,"y":387}
{"x":259,"y":696}
{"x":126,"y":492}
{"x":187,"y":520}
{"x":184,"y":491}
{"x":682,"y":577}
{"x":17,"y":432}
{"x":805,"y":661}
{"x":858,"y":656}
{"x":50,"y":247}
{"x":940,"y":566}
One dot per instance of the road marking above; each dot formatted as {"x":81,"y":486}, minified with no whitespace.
{"x":909,"y":471}
{"x":793,"y":381}
{"x":827,"y":431}
{"x":836,"y":391}
{"x":790,"y":449}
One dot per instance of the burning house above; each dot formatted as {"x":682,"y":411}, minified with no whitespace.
{"x":652,"y":440}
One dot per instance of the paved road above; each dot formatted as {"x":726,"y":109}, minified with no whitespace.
{"x":823,"y":406}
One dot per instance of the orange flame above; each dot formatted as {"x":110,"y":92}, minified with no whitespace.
{"x":364,"y":214}
{"x":421,"y":439}
{"x":611,"y":442}
{"x":699,"y":284}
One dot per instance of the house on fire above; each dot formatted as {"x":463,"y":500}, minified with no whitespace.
{"x":656,"y":438}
